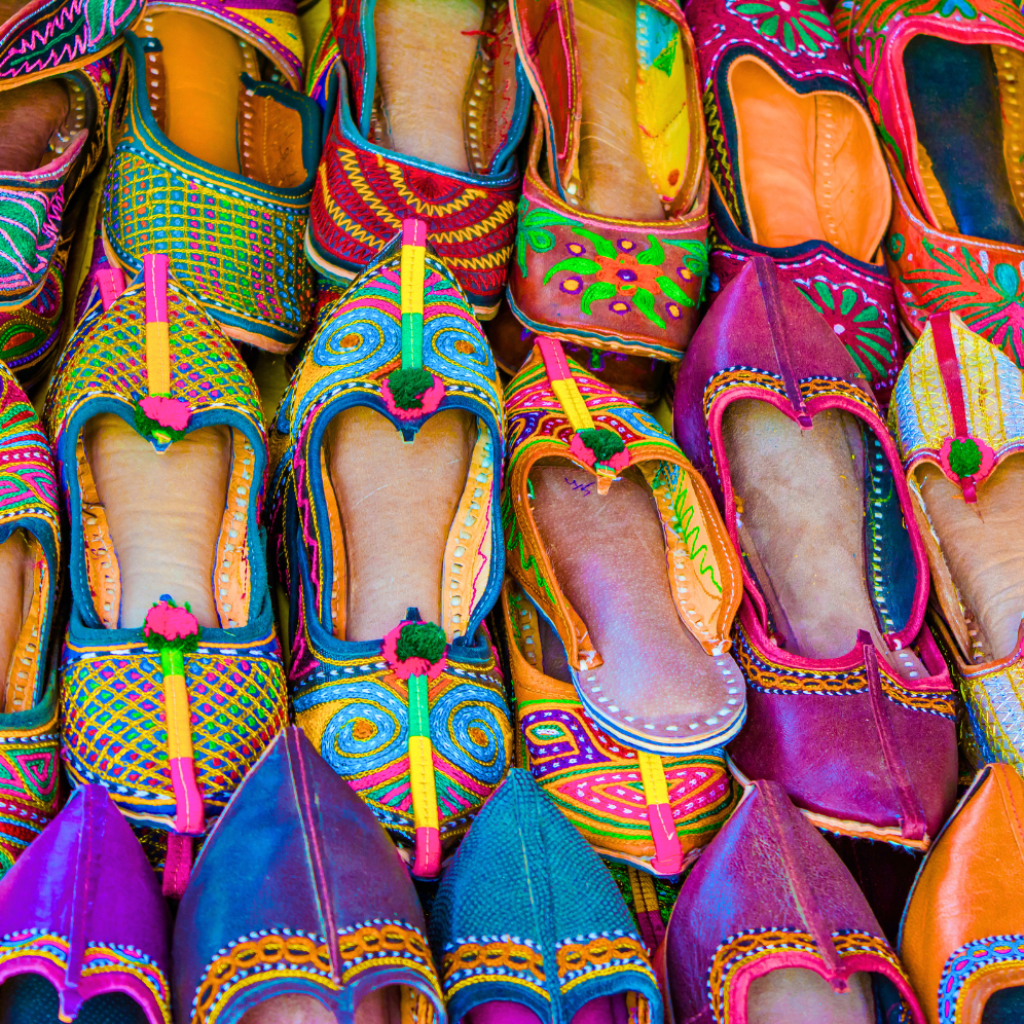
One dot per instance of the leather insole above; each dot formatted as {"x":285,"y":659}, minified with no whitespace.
{"x":954,"y":96}
{"x":383,"y":1006}
{"x":164,"y":511}
{"x":984,"y":550}
{"x":795,"y":994}
{"x":396,"y":502}
{"x":802,"y":527}
{"x":809,"y":164}
{"x":29,"y":116}
{"x":613,"y":173}
{"x":17,"y":570}
{"x":608,"y":555}
{"x":1004,"y":1007}
{"x":202,"y":64}
{"x":425,"y":53}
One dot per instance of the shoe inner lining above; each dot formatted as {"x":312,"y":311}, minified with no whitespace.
{"x":140,"y":545}
{"x":809,"y":164}
{"x":24,"y":581}
{"x":970,"y":135}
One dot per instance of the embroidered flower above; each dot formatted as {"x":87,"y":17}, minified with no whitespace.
{"x":795,"y":25}
{"x":416,"y":648}
{"x":161,"y":419}
{"x":412,"y":393}
{"x":168,"y":627}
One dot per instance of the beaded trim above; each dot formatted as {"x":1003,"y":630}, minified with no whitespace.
{"x":741,"y":951}
{"x":281,"y":952}
{"x":768,"y":678}
{"x":969,"y":964}
{"x":581,"y":958}
{"x":510,"y":959}
{"x":98,"y":958}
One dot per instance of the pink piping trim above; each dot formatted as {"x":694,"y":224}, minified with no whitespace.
{"x":189,"y":818}
{"x":754,"y":623}
{"x":553,"y":355}
{"x":177,"y":865}
{"x":112,"y":285}
{"x":414,"y":232}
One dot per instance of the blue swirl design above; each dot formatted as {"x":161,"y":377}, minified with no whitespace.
{"x":468,"y":707}
{"x":341,"y":748}
{"x":380,"y":334}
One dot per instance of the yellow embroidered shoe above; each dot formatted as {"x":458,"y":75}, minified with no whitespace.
{"x":594,"y":486}
{"x":653,"y":812}
{"x":958,"y":418}
{"x":171,"y":675}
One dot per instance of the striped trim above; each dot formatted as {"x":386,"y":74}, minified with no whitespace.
{"x":413,"y":270}
{"x":421,"y":781}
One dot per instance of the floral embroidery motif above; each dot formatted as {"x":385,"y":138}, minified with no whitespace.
{"x":798,"y":26}
{"x":624,"y":274}
{"x":860,"y":324}
{"x":987,"y":296}
{"x":968,"y":960}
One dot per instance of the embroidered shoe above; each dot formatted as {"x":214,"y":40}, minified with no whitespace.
{"x":831,"y":635}
{"x":941,"y":82}
{"x":29,"y":560}
{"x":770,"y":895}
{"x":368,"y":184}
{"x":46,"y":37}
{"x":639,"y":808}
{"x":192,"y":174}
{"x":84,"y":929}
{"x":958,"y":419}
{"x":416,"y":720}
{"x":298,"y":894}
{"x":797,"y":173}
{"x":585,"y":271}
{"x":167,"y":713}
{"x":593,"y":480}
{"x":962,"y":934}
{"x":52,"y":134}
{"x":507,"y":955}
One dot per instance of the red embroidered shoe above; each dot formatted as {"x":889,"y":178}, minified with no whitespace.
{"x":384,"y":162}
{"x":942,"y":83}
{"x":586,"y":269}
{"x":797,"y":172}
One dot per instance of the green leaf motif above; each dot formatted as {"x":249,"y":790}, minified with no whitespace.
{"x":653,"y":256}
{"x":532,"y":234}
{"x":670,"y":289}
{"x":594,"y":293}
{"x":573,"y":265}
{"x":849,"y":301}
{"x":645,"y":303}
{"x":602,"y":246}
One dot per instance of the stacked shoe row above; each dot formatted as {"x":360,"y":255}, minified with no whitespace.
{"x":785,"y":619}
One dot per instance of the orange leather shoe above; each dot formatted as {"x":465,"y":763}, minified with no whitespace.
{"x":962,"y":937}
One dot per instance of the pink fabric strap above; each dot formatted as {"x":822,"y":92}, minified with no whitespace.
{"x":178,"y":865}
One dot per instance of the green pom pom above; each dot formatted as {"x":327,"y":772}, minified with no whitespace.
{"x":603,"y":443}
{"x":408,"y":387}
{"x":421,"y":640}
{"x":964,"y":457}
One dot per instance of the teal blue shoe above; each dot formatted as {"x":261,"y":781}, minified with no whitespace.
{"x":528,"y":926}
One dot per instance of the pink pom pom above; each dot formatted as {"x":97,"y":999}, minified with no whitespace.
{"x":171,"y":413}
{"x":170,"y":622}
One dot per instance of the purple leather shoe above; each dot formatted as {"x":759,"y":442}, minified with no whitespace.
{"x":769,"y":894}
{"x":893,"y":775}
{"x":299,"y":892}
{"x":84,"y":929}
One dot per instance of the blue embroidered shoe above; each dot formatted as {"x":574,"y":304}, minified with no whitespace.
{"x":299,"y":893}
{"x":169,"y":717}
{"x":416,"y":721}
{"x":528,"y":918}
